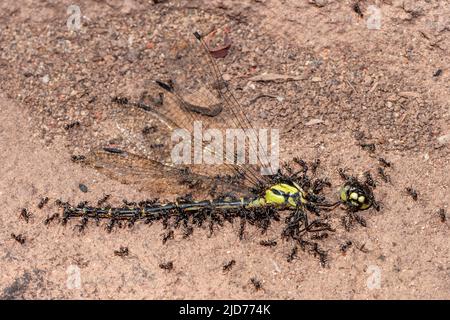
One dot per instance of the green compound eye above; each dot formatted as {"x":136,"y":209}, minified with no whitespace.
{"x":354,"y":196}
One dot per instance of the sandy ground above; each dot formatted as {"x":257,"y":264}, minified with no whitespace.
{"x":381,"y":84}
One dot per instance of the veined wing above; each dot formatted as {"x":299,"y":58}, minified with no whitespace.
{"x":196,"y":92}
{"x":150,"y":175}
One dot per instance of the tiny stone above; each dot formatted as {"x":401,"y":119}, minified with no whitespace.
{"x":83,"y":188}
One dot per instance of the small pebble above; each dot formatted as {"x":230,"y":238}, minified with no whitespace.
{"x":83,"y":188}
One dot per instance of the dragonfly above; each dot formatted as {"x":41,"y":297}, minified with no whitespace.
{"x":255,"y":192}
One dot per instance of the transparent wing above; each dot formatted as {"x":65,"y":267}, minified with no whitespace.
{"x":194,"y":92}
{"x":151,"y":175}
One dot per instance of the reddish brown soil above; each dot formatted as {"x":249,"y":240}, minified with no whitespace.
{"x":382,"y":83}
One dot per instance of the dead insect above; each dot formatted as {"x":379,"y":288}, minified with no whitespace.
{"x":103,"y":199}
{"x":167,"y":236}
{"x":166,"y":265}
{"x":292,"y":254}
{"x":25,"y":215}
{"x":442,"y":215}
{"x":227,"y":266}
{"x":122,"y":252}
{"x":72,"y":125}
{"x":345,"y":246}
{"x":384,"y":162}
{"x":383,"y":175}
{"x":43,"y":202}
{"x":19,"y":238}
{"x":268,"y":243}
{"x":256,"y":283}
{"x":51,"y":218}
{"x":412,"y":193}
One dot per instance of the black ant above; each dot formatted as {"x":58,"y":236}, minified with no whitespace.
{"x":25,"y":215}
{"x":442,"y":215}
{"x":315,"y":165}
{"x":188,"y":231}
{"x":256,"y":283}
{"x":268,"y":243}
{"x":78,"y":158}
{"x":167,"y":236}
{"x":319,"y":184}
{"x":19,"y":238}
{"x":120,"y":100}
{"x":383,"y":175}
{"x":370,"y":147}
{"x":72,"y":125}
{"x":42,"y":203}
{"x":369,"y":179}
{"x":357,"y":9}
{"x":344,"y":247}
{"x":384,"y":162}
{"x":103,"y":199}
{"x":242,"y":229}
{"x":293,"y":254}
{"x":166,"y":265}
{"x":129,"y":203}
{"x":412,"y":193}
{"x":437,"y":73}
{"x":229,"y":265}
{"x":133,"y":220}
{"x":82,"y":226}
{"x":51,"y":218}
{"x":323,"y":257}
{"x":319,"y":236}
{"x":110,"y":225}
{"x":122,"y":252}
{"x":148,"y":130}
{"x":360,"y":219}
